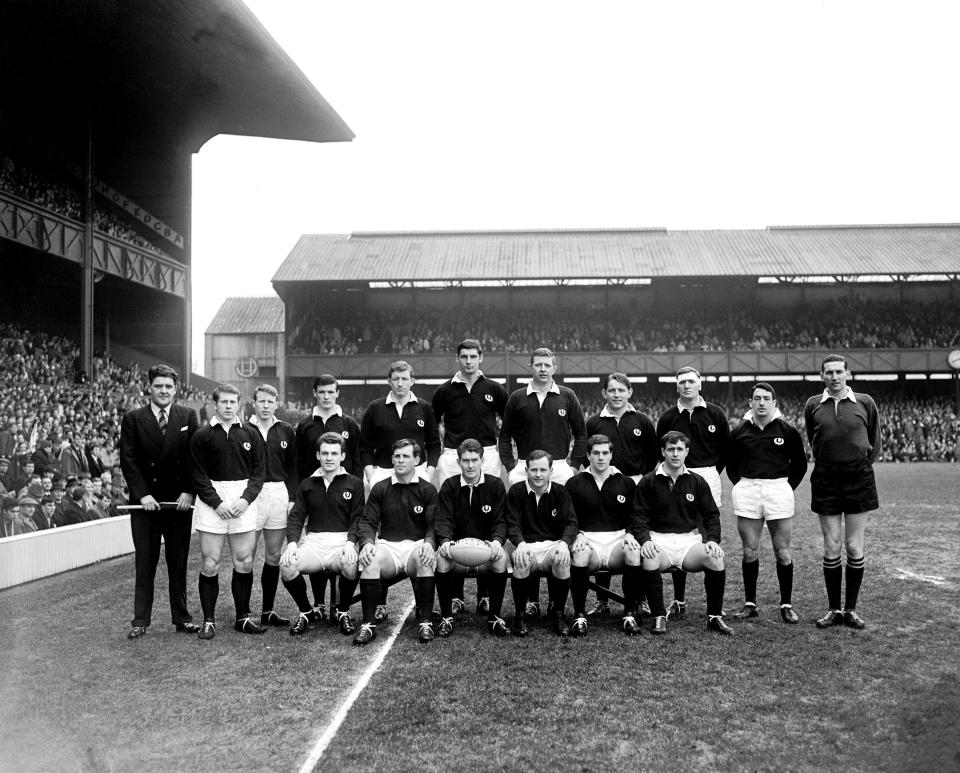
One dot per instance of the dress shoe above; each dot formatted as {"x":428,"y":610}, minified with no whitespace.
{"x":381,"y":613}
{"x":833,"y":617}
{"x":630,"y":625}
{"x":366,"y":634}
{"x":659,"y":625}
{"x":519,"y":627}
{"x":246,"y":625}
{"x":600,"y":609}
{"x":677,"y":610}
{"x":136,"y":632}
{"x":345,"y":623}
{"x":579,"y":626}
{"x":748,"y":610}
{"x":302,"y":625}
{"x":272,"y":618}
{"x":425,"y":633}
{"x":187,"y":627}
{"x":788,"y":615}
{"x":457,"y":606}
{"x":498,"y":627}
{"x":207,"y":630}
{"x":852,"y":620}
{"x":719,"y":625}
{"x":560,"y":625}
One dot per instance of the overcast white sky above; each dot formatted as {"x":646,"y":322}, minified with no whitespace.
{"x":513,"y":115}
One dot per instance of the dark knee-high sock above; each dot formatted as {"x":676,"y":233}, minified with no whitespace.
{"x":632,"y":584}
{"x":679,"y":584}
{"x":345,"y":592}
{"x":521,"y":592}
{"x":297,"y":588}
{"x":558,"y":590}
{"x":369,"y":598}
{"x":653,"y":588}
{"x":603,"y":579}
{"x":318,"y":584}
{"x":533,"y":588}
{"x":751,"y":570}
{"x":242,"y":587}
{"x":483,"y":586}
{"x":496,"y":587}
{"x":456,"y":590}
{"x":268,"y":584}
{"x":446,"y":588}
{"x":785,"y":580}
{"x":383,"y":593}
{"x":854,"y":578}
{"x":423,"y":592}
{"x":579,"y":577}
{"x":208,"y":591}
{"x":713,"y":584}
{"x":833,"y":579}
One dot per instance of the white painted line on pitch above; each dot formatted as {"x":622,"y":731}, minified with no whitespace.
{"x":906,"y":574}
{"x":328,"y":735}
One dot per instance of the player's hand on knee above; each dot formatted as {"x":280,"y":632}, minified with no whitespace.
{"x":580,"y":543}
{"x":562,"y":557}
{"x":349,"y":554}
{"x":496,"y":549}
{"x":428,"y":558}
{"x":224,"y":511}
{"x":713,"y":549}
{"x":630,"y":544}
{"x":367,"y":554}
{"x":521,"y":556}
{"x":649,"y":550}
{"x":291,"y":555}
{"x":444,"y":550}
{"x":149,"y":503}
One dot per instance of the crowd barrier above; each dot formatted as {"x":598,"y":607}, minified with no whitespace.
{"x":39,"y":554}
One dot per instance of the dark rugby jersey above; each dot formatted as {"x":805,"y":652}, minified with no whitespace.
{"x":469,"y":414}
{"x":843,"y":431}
{"x":398,"y":511}
{"x":336,"y":507}
{"x":548,"y":427}
{"x":776,"y":451}
{"x":633,"y":440}
{"x":280,"y":455}
{"x":482,"y":516}
{"x":606,"y":509}
{"x":553,"y":518}
{"x":219,"y":454}
{"x":308,"y":433}
{"x":674,"y":508}
{"x":707,"y":429}
{"x":382,"y":425}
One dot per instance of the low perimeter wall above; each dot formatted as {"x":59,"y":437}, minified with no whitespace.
{"x":28,"y":557}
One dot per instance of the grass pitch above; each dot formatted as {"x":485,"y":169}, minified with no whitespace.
{"x":78,"y":696}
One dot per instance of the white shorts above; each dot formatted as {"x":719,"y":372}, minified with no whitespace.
{"x":560,"y":472}
{"x":711,"y":476}
{"x":676,"y":546}
{"x":541,"y":557}
{"x":205,"y":518}
{"x":447,"y":467}
{"x":399,"y":551}
{"x":272,"y":506}
{"x":320,"y":550}
{"x":759,"y":498}
{"x":603,"y":543}
{"x":382,"y":473}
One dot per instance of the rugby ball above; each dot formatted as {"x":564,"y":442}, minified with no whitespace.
{"x":470,"y":551}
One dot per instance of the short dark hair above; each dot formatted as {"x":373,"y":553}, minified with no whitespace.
{"x":331,"y":438}
{"x":539,"y":453}
{"x":398,"y":367}
{"x":325,"y":379}
{"x":469,"y":343}
{"x":160,"y":370}
{"x":542,"y":351}
{"x":619,"y":377}
{"x":597,"y":440}
{"x":223,"y":389}
{"x":765,"y":387}
{"x":469,"y":446}
{"x":403,"y":443}
{"x":673,"y":436}
{"x":833,"y":358}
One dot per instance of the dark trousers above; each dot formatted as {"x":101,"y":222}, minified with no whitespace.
{"x":147,"y":529}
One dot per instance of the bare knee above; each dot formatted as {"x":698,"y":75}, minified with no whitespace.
{"x":750,"y":553}
{"x":783,"y":555}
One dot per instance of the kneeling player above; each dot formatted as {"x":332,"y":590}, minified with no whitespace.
{"x":677,"y":524}
{"x":228,"y":472}
{"x":766,"y":463}
{"x":471,"y":505}
{"x":542,"y":524}
{"x":330,"y":503}
{"x":603,"y":501}
{"x":396,"y":537}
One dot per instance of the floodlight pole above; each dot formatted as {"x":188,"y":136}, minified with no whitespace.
{"x":87,"y":300}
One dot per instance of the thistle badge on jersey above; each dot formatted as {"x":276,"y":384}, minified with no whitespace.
{"x":553,"y":513}
{"x":418,"y":509}
{"x":246,"y":446}
{"x":347,"y":495}
{"x":689,"y":497}
{"x":419,"y":422}
{"x":486,"y":508}
{"x":283,"y":444}
{"x":345,"y":434}
{"x":712,"y":428}
{"x":621,"y":498}
{"x":778,"y":441}
{"x":488,"y":398}
{"x":562,"y":412}
{"x":637,"y":431}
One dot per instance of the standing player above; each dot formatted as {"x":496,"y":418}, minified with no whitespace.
{"x":708,"y":431}
{"x":843,"y":428}
{"x":634,"y":446}
{"x":327,"y":416}
{"x":471,"y":505}
{"x":155,"y":458}
{"x":542,"y":525}
{"x":468,"y":406}
{"x":329,"y":503}
{"x":677,"y":524}
{"x":602,"y":498}
{"x":228,"y":473}
{"x":276,"y":496}
{"x":396,"y":536}
{"x":766,"y":462}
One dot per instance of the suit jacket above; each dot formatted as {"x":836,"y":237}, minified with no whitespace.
{"x":154,"y":463}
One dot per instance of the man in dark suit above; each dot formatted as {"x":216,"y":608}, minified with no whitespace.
{"x":155,"y":458}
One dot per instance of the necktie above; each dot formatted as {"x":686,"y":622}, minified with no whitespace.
{"x":163,"y":421}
